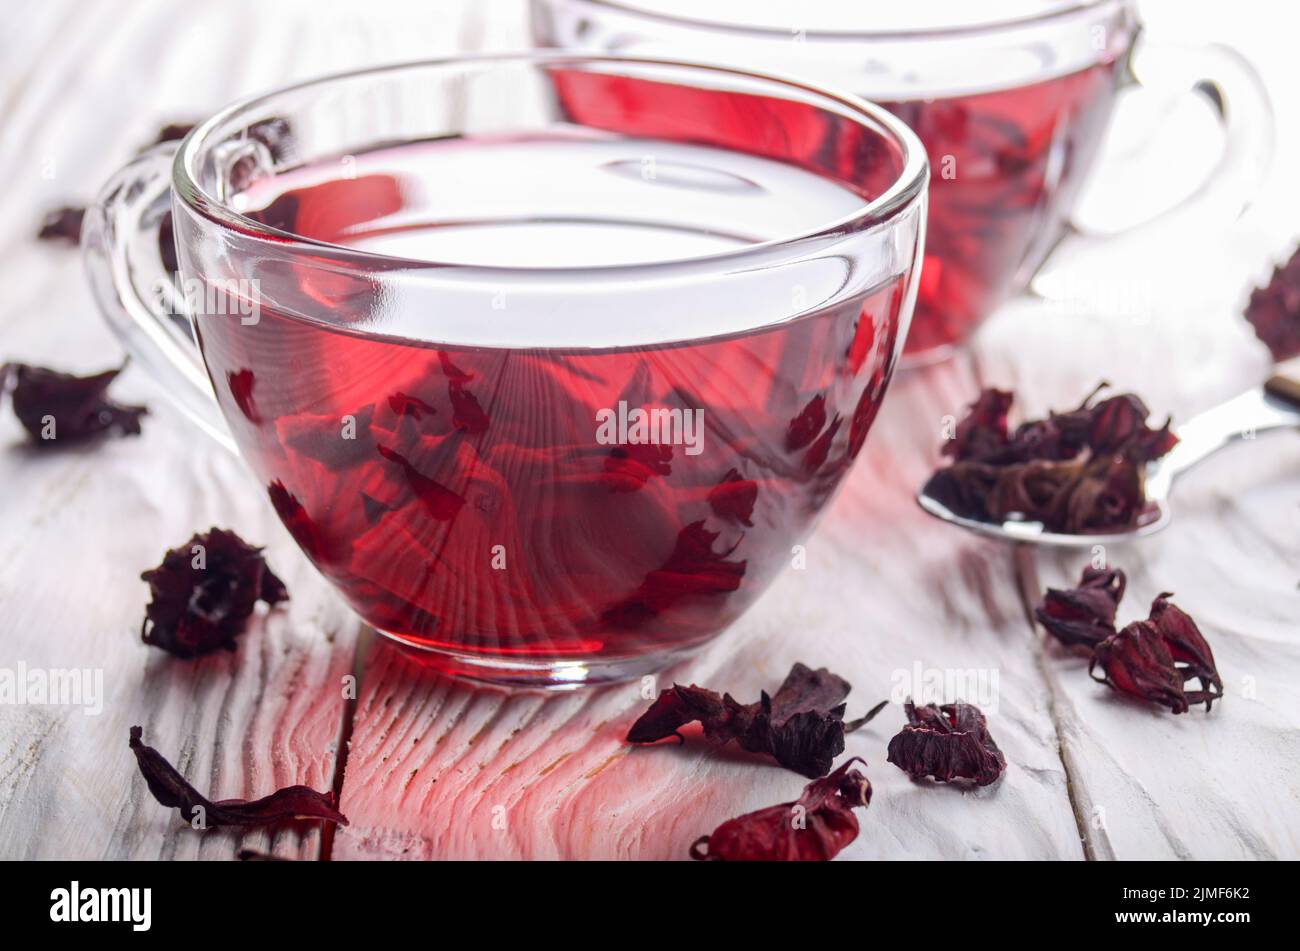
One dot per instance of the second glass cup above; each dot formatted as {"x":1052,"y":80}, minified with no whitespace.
{"x":1009,"y":97}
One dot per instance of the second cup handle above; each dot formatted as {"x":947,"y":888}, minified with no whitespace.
{"x":137,"y":292}
{"x":1244,"y":112}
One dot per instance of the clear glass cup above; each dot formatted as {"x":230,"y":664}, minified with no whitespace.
{"x":1010,"y":98}
{"x":546,"y":361}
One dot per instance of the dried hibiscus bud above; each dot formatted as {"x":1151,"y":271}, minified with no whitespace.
{"x":802,"y":726}
{"x":204,"y":592}
{"x":169,"y":787}
{"x":1136,"y":662}
{"x":62,"y":224}
{"x":947,"y":743}
{"x":61,"y":409}
{"x":1274,"y":310}
{"x":1078,"y":471}
{"x":1085,"y":615}
{"x":814,"y":828}
{"x":1154,"y":659}
{"x":1188,"y":648}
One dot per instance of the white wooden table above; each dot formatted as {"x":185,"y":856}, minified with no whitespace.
{"x":428,"y":769}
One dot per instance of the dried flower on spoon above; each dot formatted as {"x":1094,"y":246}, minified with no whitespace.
{"x":801,"y":726}
{"x":59,"y":409}
{"x":203,"y":594}
{"x":1274,"y":310}
{"x":816,"y":827}
{"x":946,"y":743}
{"x":171,"y":789}
{"x":1078,"y":472}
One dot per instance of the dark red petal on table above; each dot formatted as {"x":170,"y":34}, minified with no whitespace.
{"x":815,"y":827}
{"x":1084,"y":615}
{"x":1274,"y":310}
{"x":947,"y":743}
{"x":79,"y":405}
{"x":203,"y":593}
{"x":62,"y":224}
{"x":801,"y":726}
{"x":1136,"y":662}
{"x":172,"y":790}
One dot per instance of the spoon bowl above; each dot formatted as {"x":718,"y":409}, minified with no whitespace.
{"x":1273,"y":406}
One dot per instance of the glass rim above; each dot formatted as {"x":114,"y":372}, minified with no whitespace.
{"x":992,"y":25}
{"x":908,"y":186}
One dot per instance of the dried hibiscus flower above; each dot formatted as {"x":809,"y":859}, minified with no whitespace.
{"x":171,"y":132}
{"x":1156,"y":658}
{"x":203,"y":593}
{"x":948,"y":742}
{"x":1079,"y":471}
{"x":814,"y":828}
{"x":61,"y":409}
{"x":170,"y":788}
{"x":1085,"y":615}
{"x":1274,"y":310}
{"x":801,"y":726}
{"x":62,"y":224}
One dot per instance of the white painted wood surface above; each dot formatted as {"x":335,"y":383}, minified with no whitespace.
{"x":438,"y":770}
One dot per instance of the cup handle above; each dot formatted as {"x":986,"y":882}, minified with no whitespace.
{"x":137,"y":292}
{"x":1245,"y":113}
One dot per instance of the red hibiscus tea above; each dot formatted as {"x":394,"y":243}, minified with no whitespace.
{"x":1005,"y":169}
{"x":564,"y":483}
{"x":1009,"y":97}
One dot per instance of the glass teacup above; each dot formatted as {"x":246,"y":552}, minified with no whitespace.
{"x":546,"y":361}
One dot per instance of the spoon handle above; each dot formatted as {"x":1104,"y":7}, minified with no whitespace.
{"x":1276,"y":405}
{"x":1284,"y":384}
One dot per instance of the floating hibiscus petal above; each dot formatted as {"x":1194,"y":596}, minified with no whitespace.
{"x":62,"y":224}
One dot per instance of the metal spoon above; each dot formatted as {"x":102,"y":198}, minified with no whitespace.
{"x":1275,"y":405}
